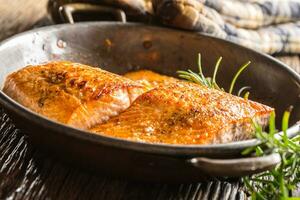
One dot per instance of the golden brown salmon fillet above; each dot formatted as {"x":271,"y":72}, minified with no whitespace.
{"x":149,"y":78}
{"x":72,"y":93}
{"x":186,"y":113}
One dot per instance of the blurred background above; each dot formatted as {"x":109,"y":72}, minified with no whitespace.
{"x":20,"y":15}
{"x":269,"y":26}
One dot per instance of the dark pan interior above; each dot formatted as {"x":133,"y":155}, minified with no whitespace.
{"x":121,"y":48}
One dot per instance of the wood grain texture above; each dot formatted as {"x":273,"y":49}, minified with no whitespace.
{"x":26,"y":173}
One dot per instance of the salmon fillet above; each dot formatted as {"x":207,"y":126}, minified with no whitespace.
{"x":149,"y":78}
{"x":72,"y":93}
{"x":186,"y":113}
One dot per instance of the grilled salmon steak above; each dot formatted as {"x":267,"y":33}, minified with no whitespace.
{"x":186,"y":113}
{"x":72,"y":93}
{"x":149,"y":108}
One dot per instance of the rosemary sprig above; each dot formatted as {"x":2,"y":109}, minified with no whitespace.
{"x":241,"y":69}
{"x":280,"y":181}
{"x":273,"y":184}
{"x":199,"y":77}
{"x":246,"y":95}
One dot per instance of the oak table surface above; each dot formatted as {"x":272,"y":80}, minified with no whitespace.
{"x":26,"y":173}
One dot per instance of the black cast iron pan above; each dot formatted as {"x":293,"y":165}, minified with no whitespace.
{"x":136,"y":46}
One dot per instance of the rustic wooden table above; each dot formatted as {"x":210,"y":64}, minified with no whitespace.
{"x":26,"y":173}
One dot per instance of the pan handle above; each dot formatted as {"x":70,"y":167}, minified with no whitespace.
{"x":67,"y":11}
{"x":235,"y":167}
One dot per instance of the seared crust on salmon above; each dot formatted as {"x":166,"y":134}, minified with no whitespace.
{"x":186,"y":113}
{"x":150,"y":108}
{"x":149,"y":78}
{"x":72,"y":93}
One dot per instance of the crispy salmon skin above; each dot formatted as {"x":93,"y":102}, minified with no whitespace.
{"x":72,"y":93}
{"x":186,"y":113}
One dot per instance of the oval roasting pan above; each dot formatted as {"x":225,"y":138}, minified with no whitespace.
{"x":119,"y":48}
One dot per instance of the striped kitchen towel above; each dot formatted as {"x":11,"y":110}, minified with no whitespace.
{"x":270,"y":26}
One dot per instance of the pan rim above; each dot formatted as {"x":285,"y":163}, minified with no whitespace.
{"x":163,"y":149}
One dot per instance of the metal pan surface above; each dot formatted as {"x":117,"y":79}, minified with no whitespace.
{"x":136,"y":46}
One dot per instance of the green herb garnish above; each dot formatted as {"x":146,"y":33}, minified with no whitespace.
{"x":199,"y":77}
{"x":241,"y":69}
{"x":240,"y":92}
{"x":280,"y":181}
